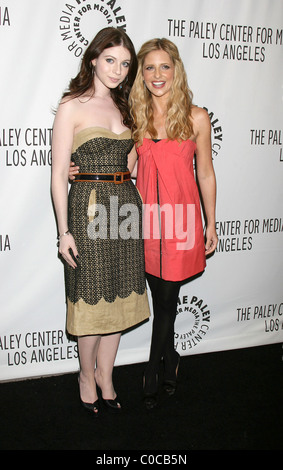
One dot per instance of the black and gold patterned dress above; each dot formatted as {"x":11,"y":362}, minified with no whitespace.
{"x":106,"y":293}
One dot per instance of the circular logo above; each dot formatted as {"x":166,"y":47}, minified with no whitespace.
{"x":192,"y":322}
{"x":81,"y":20}
{"x":216,"y":133}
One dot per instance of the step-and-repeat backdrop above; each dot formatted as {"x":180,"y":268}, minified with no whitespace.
{"x":233,"y":56}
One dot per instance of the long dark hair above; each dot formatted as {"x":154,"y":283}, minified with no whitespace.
{"x":83,"y":82}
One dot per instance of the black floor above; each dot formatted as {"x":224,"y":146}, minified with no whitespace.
{"x":228,"y":400}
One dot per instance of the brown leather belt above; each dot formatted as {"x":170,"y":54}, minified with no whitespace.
{"x":117,"y":178}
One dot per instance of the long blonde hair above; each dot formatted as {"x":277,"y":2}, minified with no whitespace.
{"x":178,"y":122}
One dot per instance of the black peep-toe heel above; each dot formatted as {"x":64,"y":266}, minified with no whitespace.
{"x":113,"y":406}
{"x":150,"y":398}
{"x":92,"y":408}
{"x":170,"y":380}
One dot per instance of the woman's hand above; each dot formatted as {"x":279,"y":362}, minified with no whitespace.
{"x":211,"y":240}
{"x":67,"y":247}
{"x":73,"y":171}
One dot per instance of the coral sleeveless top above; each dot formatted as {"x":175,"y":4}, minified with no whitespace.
{"x":172,"y":221}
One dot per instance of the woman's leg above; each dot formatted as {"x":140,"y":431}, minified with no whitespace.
{"x":164,"y":297}
{"x":88,"y":347}
{"x":106,"y":356}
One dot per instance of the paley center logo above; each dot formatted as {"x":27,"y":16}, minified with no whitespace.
{"x":80,"y":20}
{"x":216,"y":133}
{"x":192,"y":322}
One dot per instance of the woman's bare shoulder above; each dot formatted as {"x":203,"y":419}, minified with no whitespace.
{"x":199,"y":113}
{"x":69,"y":103}
{"x":70,"y":110}
{"x":200,"y":118}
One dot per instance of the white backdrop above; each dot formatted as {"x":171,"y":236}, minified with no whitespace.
{"x":233,"y":56}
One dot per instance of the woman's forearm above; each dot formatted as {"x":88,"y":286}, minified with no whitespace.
{"x":59,"y":189}
{"x":208,"y":193}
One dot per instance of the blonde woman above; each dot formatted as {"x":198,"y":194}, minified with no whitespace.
{"x":169,"y":131}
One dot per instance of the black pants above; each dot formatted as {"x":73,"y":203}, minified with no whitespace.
{"x":164,"y":300}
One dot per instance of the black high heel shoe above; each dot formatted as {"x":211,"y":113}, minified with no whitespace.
{"x":149,"y":398}
{"x":92,"y":408}
{"x":114,"y":406}
{"x":170,"y":380}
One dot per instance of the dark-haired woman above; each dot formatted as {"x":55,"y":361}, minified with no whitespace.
{"x":104,"y":262}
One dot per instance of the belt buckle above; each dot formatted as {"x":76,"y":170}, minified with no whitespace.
{"x":119,"y":173}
